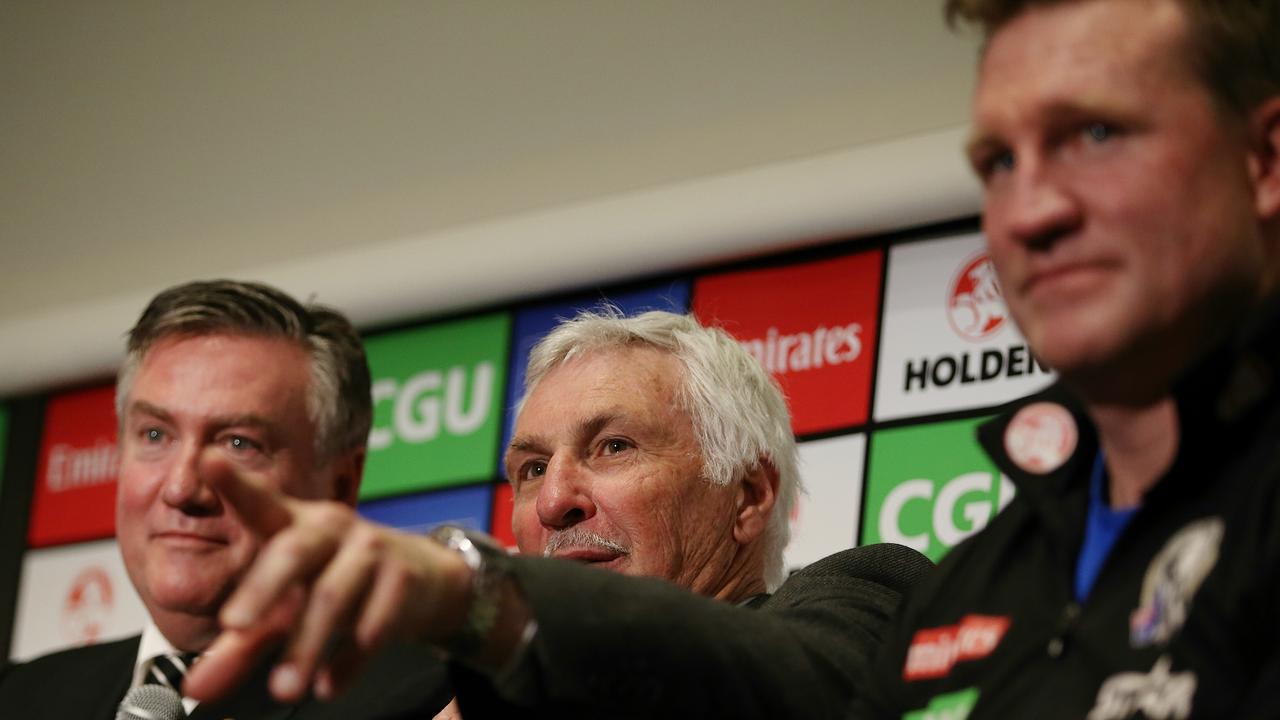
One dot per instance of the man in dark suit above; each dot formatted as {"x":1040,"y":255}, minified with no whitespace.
{"x":222,"y":376}
{"x":650,"y":447}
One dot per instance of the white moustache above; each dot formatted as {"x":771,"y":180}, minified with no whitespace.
{"x":578,"y":538}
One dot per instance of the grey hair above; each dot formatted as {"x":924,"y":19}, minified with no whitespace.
{"x":339,"y":401}
{"x":739,"y":415}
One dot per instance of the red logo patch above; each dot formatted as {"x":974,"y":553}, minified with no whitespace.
{"x":975,"y":305}
{"x":934,"y":651}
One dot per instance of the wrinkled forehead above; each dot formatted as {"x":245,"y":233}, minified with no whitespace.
{"x":638,"y":383}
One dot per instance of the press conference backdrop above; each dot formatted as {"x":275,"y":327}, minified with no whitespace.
{"x":890,"y":350}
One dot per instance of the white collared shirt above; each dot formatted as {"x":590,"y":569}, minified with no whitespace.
{"x":154,"y":643}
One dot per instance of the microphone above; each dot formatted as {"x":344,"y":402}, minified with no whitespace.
{"x":151,"y":702}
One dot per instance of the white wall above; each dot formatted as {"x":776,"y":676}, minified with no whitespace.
{"x":407,"y":158}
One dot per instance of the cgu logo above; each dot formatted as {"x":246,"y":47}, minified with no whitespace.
{"x":432,"y":401}
{"x":975,"y":305}
{"x":956,"y":494}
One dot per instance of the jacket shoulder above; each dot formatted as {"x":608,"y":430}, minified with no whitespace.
{"x":885,"y":571}
{"x":71,"y":659}
{"x":93,"y":670}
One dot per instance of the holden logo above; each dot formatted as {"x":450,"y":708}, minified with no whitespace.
{"x":975,"y":306}
{"x":88,"y":606}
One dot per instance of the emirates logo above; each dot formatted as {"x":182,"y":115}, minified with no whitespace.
{"x":975,"y":305}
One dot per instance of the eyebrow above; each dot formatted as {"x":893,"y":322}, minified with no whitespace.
{"x":978,"y":144}
{"x":531,"y":444}
{"x":142,"y":407}
{"x":587,"y":428}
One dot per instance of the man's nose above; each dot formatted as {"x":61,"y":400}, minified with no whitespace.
{"x":184,"y":487}
{"x":564,"y":495}
{"x":1041,"y":207}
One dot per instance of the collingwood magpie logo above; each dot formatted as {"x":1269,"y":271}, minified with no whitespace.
{"x":1171,"y":581}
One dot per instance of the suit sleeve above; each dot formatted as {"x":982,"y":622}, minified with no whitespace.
{"x":620,"y":646}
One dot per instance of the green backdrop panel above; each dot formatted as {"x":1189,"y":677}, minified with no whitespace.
{"x":930,"y":486}
{"x":437,"y":393}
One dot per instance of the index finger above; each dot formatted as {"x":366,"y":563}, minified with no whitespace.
{"x":263,"y":509}
{"x":234,"y":654}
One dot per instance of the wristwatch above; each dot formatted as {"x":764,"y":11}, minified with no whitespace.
{"x":489,"y":569}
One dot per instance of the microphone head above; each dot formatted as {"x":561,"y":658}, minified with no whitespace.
{"x":151,"y":702}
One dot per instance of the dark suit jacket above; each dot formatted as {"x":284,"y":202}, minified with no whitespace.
{"x":613,"y":646}
{"x":88,"y":684}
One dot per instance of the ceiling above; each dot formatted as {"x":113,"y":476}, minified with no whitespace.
{"x":143,"y":142}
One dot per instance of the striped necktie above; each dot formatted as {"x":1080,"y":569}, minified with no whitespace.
{"x":168,"y":670}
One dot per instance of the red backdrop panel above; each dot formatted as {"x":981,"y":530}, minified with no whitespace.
{"x":813,"y":325}
{"x":76,"y":480}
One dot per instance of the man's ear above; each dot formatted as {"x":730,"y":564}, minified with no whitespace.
{"x":348,"y":469}
{"x":1264,"y":157}
{"x":757,"y":494}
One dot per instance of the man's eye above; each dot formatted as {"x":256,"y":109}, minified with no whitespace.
{"x":153,"y":435}
{"x":613,"y":446}
{"x":1099,"y":132}
{"x":993,"y":164}
{"x":535,"y":470}
{"x":241,"y":444}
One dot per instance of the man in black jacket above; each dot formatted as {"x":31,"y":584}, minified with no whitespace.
{"x":652,"y":448}
{"x":1130,"y":155}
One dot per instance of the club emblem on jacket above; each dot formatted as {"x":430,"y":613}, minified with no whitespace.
{"x":1172,"y":579}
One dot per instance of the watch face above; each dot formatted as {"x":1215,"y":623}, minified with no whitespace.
{"x":486,"y":558}
{"x":452,"y":535}
{"x":482,"y":553}
{"x":486,"y":542}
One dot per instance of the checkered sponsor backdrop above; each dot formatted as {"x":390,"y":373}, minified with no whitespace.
{"x":890,"y":351}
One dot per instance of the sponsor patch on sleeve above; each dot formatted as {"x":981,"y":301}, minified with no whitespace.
{"x":934,"y":651}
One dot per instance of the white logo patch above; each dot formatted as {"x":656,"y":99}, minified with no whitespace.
{"x":1158,"y":695}
{"x":1041,"y":437}
{"x":1172,"y":579}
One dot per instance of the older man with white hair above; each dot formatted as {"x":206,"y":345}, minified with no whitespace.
{"x":668,"y":401}
{"x":652,"y":447}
